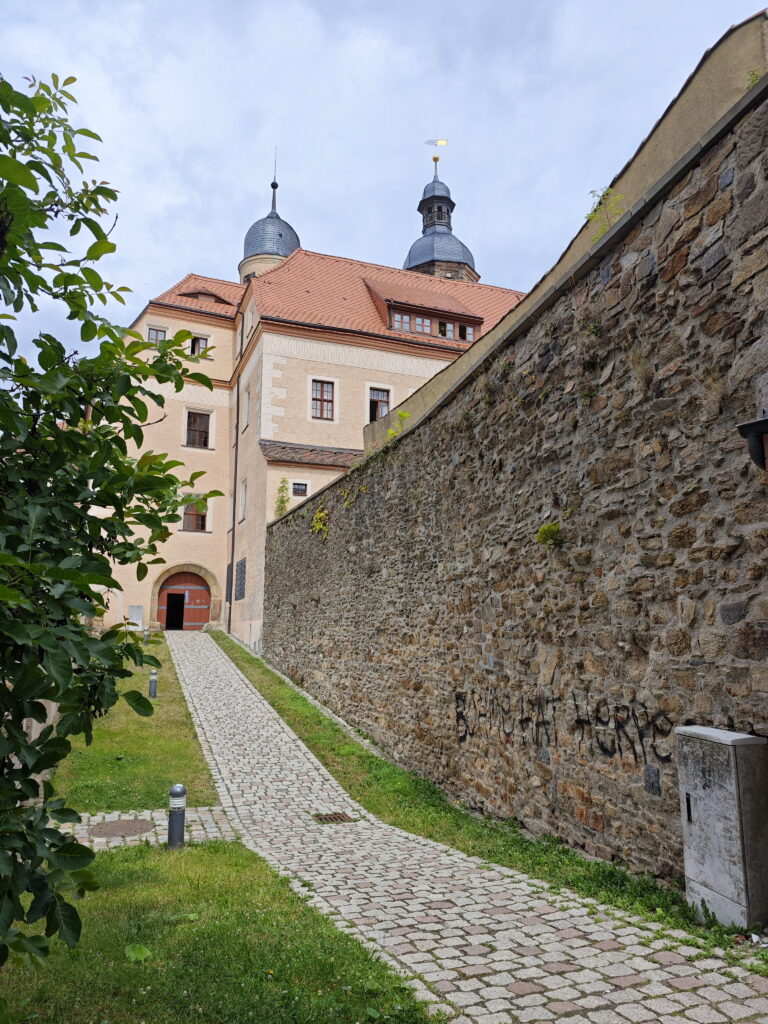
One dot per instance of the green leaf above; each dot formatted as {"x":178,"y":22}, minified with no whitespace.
{"x":17,"y":173}
{"x":101,"y":247}
{"x":70,"y":924}
{"x":71,"y":856}
{"x":139,"y":703}
{"x":136,"y":953}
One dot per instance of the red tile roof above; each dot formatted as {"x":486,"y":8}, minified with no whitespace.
{"x":193,"y":291}
{"x":310,"y":454}
{"x":330,"y":291}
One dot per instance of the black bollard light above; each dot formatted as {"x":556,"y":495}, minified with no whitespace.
{"x":176,"y":816}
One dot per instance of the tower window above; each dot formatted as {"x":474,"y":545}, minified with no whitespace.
{"x":401,"y":321}
{"x":445,"y":329}
{"x":422,"y":325}
{"x":439,"y":213}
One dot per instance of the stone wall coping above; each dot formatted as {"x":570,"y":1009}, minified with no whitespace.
{"x":433,"y":395}
{"x":722,"y":736}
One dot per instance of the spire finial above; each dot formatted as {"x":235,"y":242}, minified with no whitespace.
{"x":274,"y":185}
{"x":436,"y":157}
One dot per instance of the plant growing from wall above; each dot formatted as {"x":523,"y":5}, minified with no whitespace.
{"x":550,"y":535}
{"x":607,"y":208}
{"x":321,"y":521}
{"x":395,"y":432}
{"x":75,"y":502}
{"x":281,"y":505}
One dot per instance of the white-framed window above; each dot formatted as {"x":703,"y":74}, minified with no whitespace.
{"x":198,"y":345}
{"x":378,"y":403}
{"x":466,"y":333}
{"x":199,"y":428}
{"x":155,"y":335}
{"x":378,"y":399}
{"x":300,"y":489}
{"x":243,"y":503}
{"x":323,"y":399}
{"x":194,"y":519}
{"x":245,"y":411}
{"x":445,"y":328}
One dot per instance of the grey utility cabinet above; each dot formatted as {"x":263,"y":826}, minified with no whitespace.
{"x":723,"y":778}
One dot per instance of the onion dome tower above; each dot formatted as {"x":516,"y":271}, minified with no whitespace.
{"x":439,"y":252}
{"x":267,"y":242}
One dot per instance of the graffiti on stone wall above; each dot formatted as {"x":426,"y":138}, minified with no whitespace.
{"x":601,"y":727}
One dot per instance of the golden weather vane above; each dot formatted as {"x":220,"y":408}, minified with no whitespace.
{"x":436,"y":143}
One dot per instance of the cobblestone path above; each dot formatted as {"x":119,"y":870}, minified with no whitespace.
{"x":486,"y":944}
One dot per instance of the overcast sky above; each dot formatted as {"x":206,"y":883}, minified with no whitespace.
{"x":542,"y":101}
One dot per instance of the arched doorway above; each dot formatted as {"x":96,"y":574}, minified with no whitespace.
{"x":184,"y":602}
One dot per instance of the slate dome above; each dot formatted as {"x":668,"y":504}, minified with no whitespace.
{"x":271,"y":236}
{"x":438,"y":244}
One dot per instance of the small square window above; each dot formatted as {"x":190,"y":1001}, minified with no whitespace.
{"x":322,"y":400}
{"x":445,"y":329}
{"x":401,"y":321}
{"x":198,"y":429}
{"x":299,"y":490}
{"x":198,"y":346}
{"x":422,"y":325}
{"x":155,"y":334}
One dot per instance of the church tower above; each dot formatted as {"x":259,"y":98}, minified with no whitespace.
{"x":267,"y":242}
{"x":439,"y":252}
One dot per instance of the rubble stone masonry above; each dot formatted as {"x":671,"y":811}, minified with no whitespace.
{"x":544,"y":681}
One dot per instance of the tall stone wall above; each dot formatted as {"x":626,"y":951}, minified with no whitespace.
{"x":544,"y":681}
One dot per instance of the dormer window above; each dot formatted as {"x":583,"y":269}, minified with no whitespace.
{"x":401,"y":322}
{"x":422,"y":325}
{"x":445,"y":329}
{"x":466,"y":333}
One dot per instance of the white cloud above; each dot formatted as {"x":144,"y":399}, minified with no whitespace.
{"x":541,"y":103}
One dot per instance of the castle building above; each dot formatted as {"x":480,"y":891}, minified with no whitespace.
{"x":303,"y":352}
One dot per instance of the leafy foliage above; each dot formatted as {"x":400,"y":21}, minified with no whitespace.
{"x":76,"y":501}
{"x":281,"y":505}
{"x":607,"y":208}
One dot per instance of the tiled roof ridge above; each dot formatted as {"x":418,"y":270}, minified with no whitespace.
{"x":451,"y":282}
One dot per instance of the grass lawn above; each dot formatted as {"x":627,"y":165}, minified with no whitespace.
{"x":416,"y":805}
{"x":133,"y":761}
{"x":229,"y":941}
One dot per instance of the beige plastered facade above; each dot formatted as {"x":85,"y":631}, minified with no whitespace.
{"x":262,"y":391}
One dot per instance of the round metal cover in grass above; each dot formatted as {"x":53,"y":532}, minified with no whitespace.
{"x":131,"y":827}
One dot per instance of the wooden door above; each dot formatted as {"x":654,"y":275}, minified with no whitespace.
{"x":197,"y":599}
